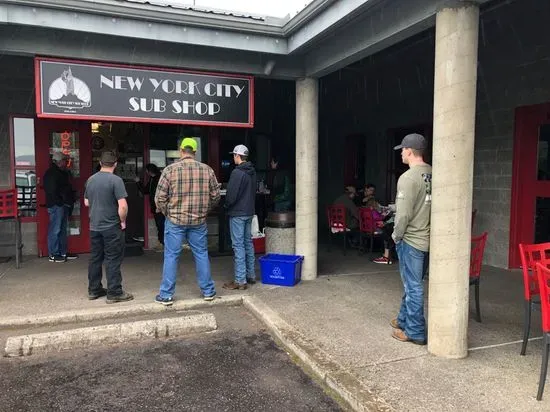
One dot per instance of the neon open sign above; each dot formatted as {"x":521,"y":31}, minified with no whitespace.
{"x":66,"y":144}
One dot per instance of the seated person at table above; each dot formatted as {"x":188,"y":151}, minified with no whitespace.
{"x":369,"y":193}
{"x":385,"y":223}
{"x":375,"y":208}
{"x":352,"y":212}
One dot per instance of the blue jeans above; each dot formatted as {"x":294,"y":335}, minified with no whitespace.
{"x":57,"y":230}
{"x":243,"y":248}
{"x":412,"y":266}
{"x":174,"y":237}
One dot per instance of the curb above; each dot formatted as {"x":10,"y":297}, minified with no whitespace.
{"x":333,"y":375}
{"x":27,"y":345}
{"x":115,"y":311}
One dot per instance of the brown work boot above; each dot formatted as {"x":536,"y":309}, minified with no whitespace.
{"x":402,"y":337}
{"x":395,"y":324}
{"x":235,"y":286}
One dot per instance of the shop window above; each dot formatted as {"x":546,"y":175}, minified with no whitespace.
{"x":165,"y":139}
{"x":25,"y":165}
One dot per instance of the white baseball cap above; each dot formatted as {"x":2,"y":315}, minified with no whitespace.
{"x":241,"y":150}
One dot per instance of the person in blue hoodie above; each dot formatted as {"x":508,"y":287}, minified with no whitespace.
{"x":240,"y":202}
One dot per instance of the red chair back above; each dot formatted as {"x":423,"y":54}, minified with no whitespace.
{"x":530,"y":256}
{"x":476,"y":257}
{"x":8,"y":204}
{"x":366,"y":220}
{"x":543,"y":276}
{"x":336,"y":215}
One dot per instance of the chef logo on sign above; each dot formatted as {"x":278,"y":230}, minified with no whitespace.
{"x":69,"y":92}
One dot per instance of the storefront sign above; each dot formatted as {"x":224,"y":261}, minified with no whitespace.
{"x":80,"y":90}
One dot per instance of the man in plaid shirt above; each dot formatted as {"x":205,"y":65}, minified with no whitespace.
{"x":186,"y":192}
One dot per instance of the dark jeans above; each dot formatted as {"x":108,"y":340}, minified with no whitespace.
{"x":107,"y":247}
{"x":387,"y":231}
{"x":159,"y":221}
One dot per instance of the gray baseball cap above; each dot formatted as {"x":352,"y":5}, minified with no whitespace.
{"x":59,"y":156}
{"x":412,"y":141}
{"x":241,"y":150}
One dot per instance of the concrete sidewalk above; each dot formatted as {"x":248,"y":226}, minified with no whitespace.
{"x":347,"y":317}
{"x":342,"y":318}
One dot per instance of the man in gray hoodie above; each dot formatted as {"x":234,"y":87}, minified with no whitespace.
{"x":240,"y":202}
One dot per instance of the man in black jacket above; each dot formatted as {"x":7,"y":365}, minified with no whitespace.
{"x":240,"y":204}
{"x":60,"y":199}
{"x":150,"y":189}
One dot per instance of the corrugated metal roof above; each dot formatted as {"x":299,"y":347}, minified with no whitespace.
{"x":179,"y":6}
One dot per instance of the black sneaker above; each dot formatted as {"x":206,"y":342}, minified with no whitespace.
{"x":123,"y":297}
{"x":70,"y":256}
{"x":164,"y":301}
{"x":59,"y":259}
{"x":250,"y":281}
{"x":51,"y":258}
{"x":97,"y":294}
{"x":209,"y":298}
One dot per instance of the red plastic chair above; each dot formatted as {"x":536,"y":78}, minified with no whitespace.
{"x":336,"y":215}
{"x":543,"y":276}
{"x":530,"y":256}
{"x":476,"y":260}
{"x":367,"y":227}
{"x":9,"y":211}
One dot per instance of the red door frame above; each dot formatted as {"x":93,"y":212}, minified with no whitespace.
{"x":43,"y":130}
{"x":525,"y":184}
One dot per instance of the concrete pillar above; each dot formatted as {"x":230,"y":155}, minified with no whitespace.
{"x":456,"y":44}
{"x":307,"y":154}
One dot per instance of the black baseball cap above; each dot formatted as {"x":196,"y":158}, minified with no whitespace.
{"x":412,"y":141}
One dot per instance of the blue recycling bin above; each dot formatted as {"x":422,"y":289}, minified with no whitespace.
{"x":282,"y":270}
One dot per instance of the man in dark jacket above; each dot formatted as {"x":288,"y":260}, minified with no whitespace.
{"x":150,"y":189}
{"x":278,"y":182}
{"x":240,"y":204}
{"x":60,"y":199}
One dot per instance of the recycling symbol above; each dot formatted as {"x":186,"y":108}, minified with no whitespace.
{"x":277,"y":271}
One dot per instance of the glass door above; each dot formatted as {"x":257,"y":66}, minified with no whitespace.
{"x":72,"y":138}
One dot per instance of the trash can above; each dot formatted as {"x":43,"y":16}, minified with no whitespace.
{"x":280,"y":233}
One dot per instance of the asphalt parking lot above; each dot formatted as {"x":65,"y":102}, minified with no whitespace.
{"x":236,"y":368}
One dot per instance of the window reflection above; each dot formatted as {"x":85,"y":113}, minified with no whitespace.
{"x":25,"y":174}
{"x":23,"y":133}
{"x":25,"y":181}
